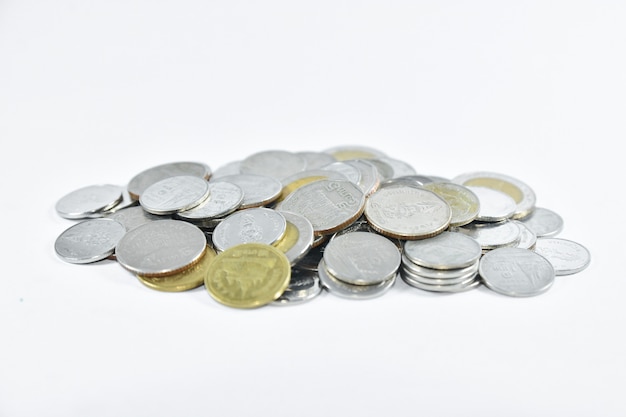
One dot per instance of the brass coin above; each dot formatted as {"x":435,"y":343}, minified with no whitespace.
{"x":248,"y":275}
{"x":187,"y":279}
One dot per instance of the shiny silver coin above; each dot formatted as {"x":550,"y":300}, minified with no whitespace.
{"x":89,"y":241}
{"x":277,"y":164}
{"x":343,"y":152}
{"x":362,"y":225}
{"x":355,"y":292}
{"x":528,"y":238}
{"x":492,"y":235}
{"x":439,"y":274}
{"x":134,"y":216}
{"x":399,"y":168}
{"x":350,"y":172}
{"x":494,"y":205}
{"x":416,"y":181}
{"x":467,"y":285}
{"x":446,"y":277}
{"x":254,"y":225}
{"x":516,"y":272}
{"x":258,"y":190}
{"x":224,"y":198}
{"x":465,"y":205}
{"x":89,"y":201}
{"x":385,"y":170}
{"x":126,"y":202}
{"x":566,"y":256}
{"x":303,"y":286}
{"x":544,"y":222}
{"x":448,"y":250}
{"x":298,"y":238}
{"x":362,"y":258}
{"x":370,"y":176}
{"x":174,"y":194}
{"x":161,"y":247}
{"x":146,"y":178}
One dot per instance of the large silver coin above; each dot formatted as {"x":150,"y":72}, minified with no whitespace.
{"x":146,"y":178}
{"x":258,"y":225}
{"x":407,"y":212}
{"x":88,"y":201}
{"x":355,"y":292}
{"x":258,"y":190}
{"x":566,"y":256}
{"x":303,"y":286}
{"x":277,"y":164}
{"x":161,"y":248}
{"x":516,"y":272}
{"x":89,"y":241}
{"x":174,"y":194}
{"x":448,"y":250}
{"x":544,"y":222}
{"x":224,"y":198}
{"x":362,"y":258}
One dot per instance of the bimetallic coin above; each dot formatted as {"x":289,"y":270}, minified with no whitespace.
{"x":258,"y":190}
{"x":248,"y":275}
{"x":188,"y":279}
{"x":260,"y":225}
{"x":161,"y":248}
{"x":523,"y":195}
{"x":89,"y":201}
{"x":174,"y":194}
{"x":464,"y":204}
{"x":494,"y":205}
{"x":146,"y":178}
{"x":273,"y":163}
{"x":544,"y":222}
{"x":298,"y":238}
{"x":303,"y":286}
{"x":224,"y":198}
{"x":566,"y":256}
{"x":406,"y":212}
{"x":516,"y":272}
{"x":354,"y":292}
{"x":89,"y":241}
{"x":362,"y":258}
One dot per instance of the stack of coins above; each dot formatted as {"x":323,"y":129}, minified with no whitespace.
{"x":281,"y":228}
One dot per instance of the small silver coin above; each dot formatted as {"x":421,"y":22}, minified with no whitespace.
{"x":174,"y":194}
{"x":134,"y":216}
{"x":224,"y":198}
{"x":544,"y":222}
{"x":303,"y":286}
{"x":448,"y":250}
{"x":277,"y":164}
{"x":258,"y":190}
{"x":439,"y":274}
{"x":492,"y":235}
{"x":355,"y":292}
{"x":89,"y":241}
{"x":566,"y":256}
{"x":362,"y":258}
{"x":146,"y":178}
{"x":89,"y":201}
{"x":468,"y":284}
{"x":516,"y":272}
{"x":161,"y":248}
{"x":258,"y":225}
{"x":495,"y":205}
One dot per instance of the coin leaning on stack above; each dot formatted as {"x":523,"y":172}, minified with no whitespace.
{"x":280,"y":228}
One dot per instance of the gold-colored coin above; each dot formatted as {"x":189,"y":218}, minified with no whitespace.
{"x":188,"y":279}
{"x":289,"y":239}
{"x":248,"y":275}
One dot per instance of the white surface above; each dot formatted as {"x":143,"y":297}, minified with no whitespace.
{"x":96,"y":91}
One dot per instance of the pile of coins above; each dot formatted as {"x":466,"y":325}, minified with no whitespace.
{"x":281,"y":227}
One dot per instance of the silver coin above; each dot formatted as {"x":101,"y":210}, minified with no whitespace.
{"x":566,"y":256}
{"x":126,"y":202}
{"x":350,"y":172}
{"x":440,"y":277}
{"x":316,"y":160}
{"x":528,"y":238}
{"x":370,"y":176}
{"x":343,"y":152}
{"x":146,"y":178}
{"x":89,"y":201}
{"x":329,"y":205}
{"x":161,"y":248}
{"x":258,"y":190}
{"x":416,"y":181}
{"x":385,"y":170}
{"x":516,"y":272}
{"x":174,"y":194}
{"x":448,"y":250}
{"x":89,"y":241}
{"x":495,"y":205}
{"x":134,"y":216}
{"x":467,"y":285}
{"x":399,"y":168}
{"x":362,"y":258}
{"x":224,"y":198}
{"x":303,"y":286}
{"x":492,"y":235}
{"x":355,"y":292}
{"x":258,"y":225}
{"x":273,"y":163}
{"x":406,"y":212}
{"x":299,"y":246}
{"x":231,"y":168}
{"x":464,"y":204}
{"x":544,"y":222}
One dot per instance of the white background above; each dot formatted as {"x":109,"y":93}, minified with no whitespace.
{"x":96,"y":91}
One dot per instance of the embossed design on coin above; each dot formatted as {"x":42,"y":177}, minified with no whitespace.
{"x":89,"y":241}
{"x":224,"y":198}
{"x":464,"y":204}
{"x":447,"y":250}
{"x":174,"y":194}
{"x":566,"y":256}
{"x":248,"y":275}
{"x":146,"y":178}
{"x":355,"y":292}
{"x":260,"y":224}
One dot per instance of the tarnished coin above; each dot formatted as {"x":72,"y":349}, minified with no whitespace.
{"x":249,"y":275}
{"x":329,"y":205}
{"x":188,"y":279}
{"x":224,"y":198}
{"x":134,"y":216}
{"x":259,"y":224}
{"x":362,"y":258}
{"x":544,"y":222}
{"x":406,"y":212}
{"x":494,"y":205}
{"x":354,"y":292}
{"x":464,"y":204}
{"x":89,"y":241}
{"x":492,"y":235}
{"x":258,"y":190}
{"x":448,"y":250}
{"x":298,"y":237}
{"x":516,"y":272}
{"x":566,"y":256}
{"x":146,"y":178}
{"x":303,"y":286}
{"x":174,"y":194}
{"x":273,"y":163}
{"x":523,"y":195}
{"x":160,"y":248}
{"x":89,"y":201}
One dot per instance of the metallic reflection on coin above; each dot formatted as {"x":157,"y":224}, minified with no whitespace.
{"x":260,"y":225}
{"x":146,"y":178}
{"x":89,"y":241}
{"x":464,"y":204}
{"x":528,"y":238}
{"x":174,"y":194}
{"x":566,"y":256}
{"x":89,"y":201}
{"x":492,"y":235}
{"x":447,"y":250}
{"x":494,"y":205}
{"x":298,"y":238}
{"x":354,"y":292}
{"x":258,"y":190}
{"x":277,"y":164}
{"x":316,"y":160}
{"x":544,"y":222}
{"x":399,"y":168}
{"x":134,"y":216}
{"x":469,"y":284}
{"x":303,"y":286}
{"x":516,"y":272}
{"x":224,"y":198}
{"x":345,"y":152}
